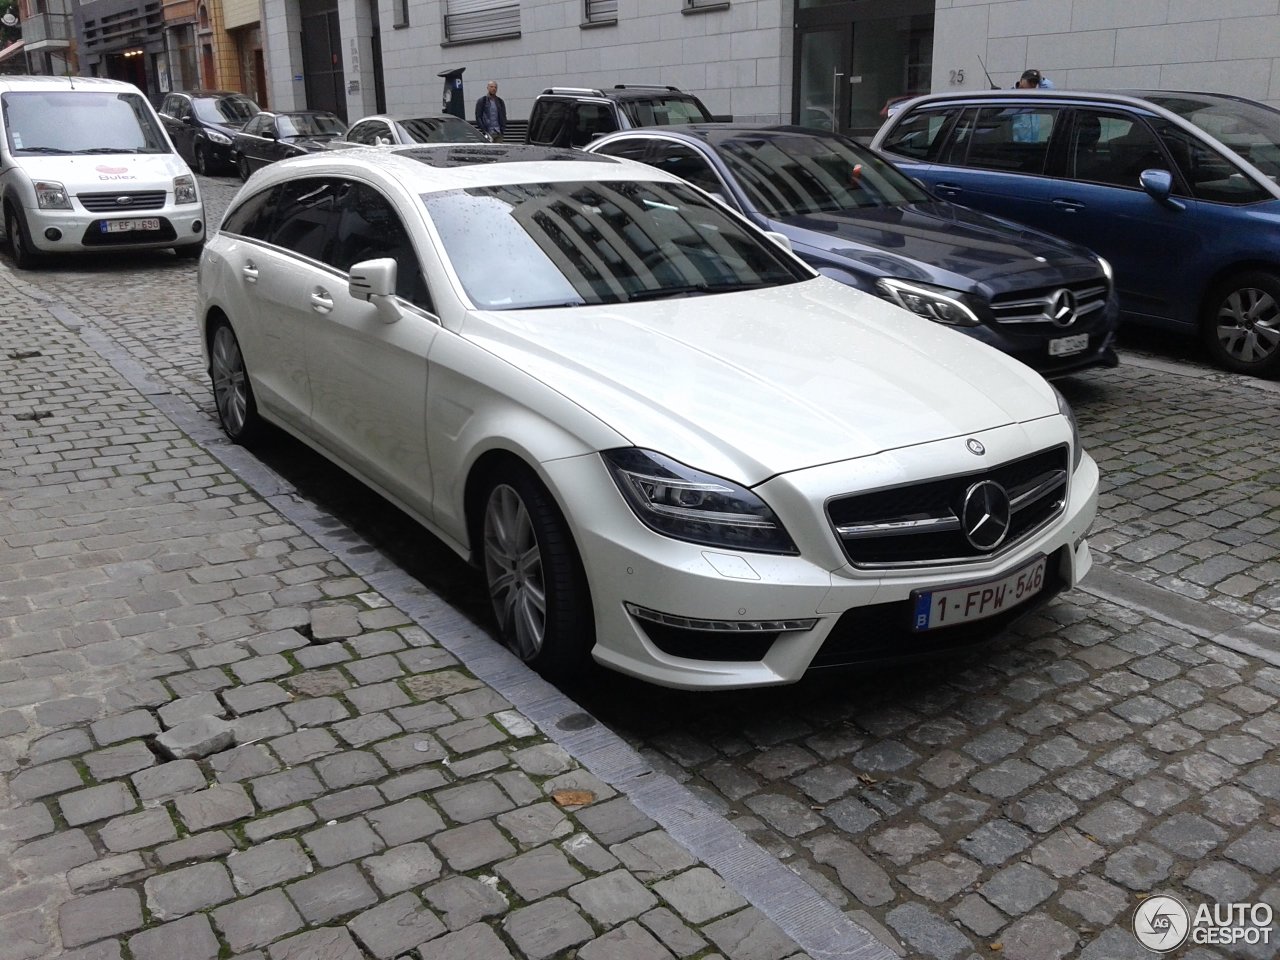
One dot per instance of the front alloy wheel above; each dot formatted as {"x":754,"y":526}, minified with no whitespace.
{"x":535,"y":578}
{"x":232,"y":392}
{"x":24,"y":256}
{"x":1242,"y":323}
{"x":202,"y":162}
{"x":243,"y":165}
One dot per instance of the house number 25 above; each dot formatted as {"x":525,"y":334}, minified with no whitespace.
{"x":957,"y":76}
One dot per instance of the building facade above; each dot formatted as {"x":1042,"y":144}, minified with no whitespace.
{"x":48,"y":37}
{"x":830,"y":63}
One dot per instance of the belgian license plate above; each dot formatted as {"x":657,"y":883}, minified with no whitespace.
{"x":1065,"y":346}
{"x":124,"y":226}
{"x":977,"y":601}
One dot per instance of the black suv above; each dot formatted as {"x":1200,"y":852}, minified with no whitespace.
{"x":202,"y":124}
{"x":573,"y":116}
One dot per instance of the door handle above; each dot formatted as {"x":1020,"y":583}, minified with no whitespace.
{"x":321,"y":302}
{"x":1068,"y":206}
{"x":250,"y":271}
{"x":948,"y":188}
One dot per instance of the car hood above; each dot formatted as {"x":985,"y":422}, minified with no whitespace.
{"x":107,"y":171}
{"x":939,"y":242}
{"x":749,"y":385}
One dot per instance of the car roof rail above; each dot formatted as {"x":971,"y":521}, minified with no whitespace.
{"x":646,"y":86}
{"x":589,"y":91}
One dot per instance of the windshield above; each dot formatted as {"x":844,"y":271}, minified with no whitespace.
{"x":567,"y":244}
{"x":441,"y":130}
{"x":233,"y":111}
{"x":664,"y":111}
{"x":310,"y":125}
{"x":70,"y":122}
{"x":1250,"y":129}
{"x":790,"y":176}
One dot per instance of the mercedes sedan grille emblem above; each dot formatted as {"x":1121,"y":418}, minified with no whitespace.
{"x":985,"y":515}
{"x":975,"y":447}
{"x":1062,"y":308}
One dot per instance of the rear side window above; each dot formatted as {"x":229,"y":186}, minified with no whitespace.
{"x":591,"y":120}
{"x":1012,"y":139}
{"x":252,"y":217}
{"x":917,"y":136}
{"x":548,"y":123}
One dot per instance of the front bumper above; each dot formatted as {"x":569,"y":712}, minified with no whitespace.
{"x":857,"y":615}
{"x":81,"y":231}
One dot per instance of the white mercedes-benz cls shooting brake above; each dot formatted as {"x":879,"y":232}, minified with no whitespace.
{"x":667,"y":443}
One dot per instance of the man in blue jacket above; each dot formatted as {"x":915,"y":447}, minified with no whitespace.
{"x":491,"y":113}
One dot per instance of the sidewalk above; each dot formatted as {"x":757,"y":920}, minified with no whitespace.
{"x":227,"y":730}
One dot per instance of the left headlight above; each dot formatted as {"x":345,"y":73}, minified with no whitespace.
{"x":184,"y":190}
{"x":51,"y":195}
{"x":697,"y":507}
{"x":216,"y":137}
{"x":1064,"y":408}
{"x":933,"y":303}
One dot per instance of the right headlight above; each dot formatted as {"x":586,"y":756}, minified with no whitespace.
{"x":1064,"y":408}
{"x":933,"y":303}
{"x":697,"y":507}
{"x":51,"y":195}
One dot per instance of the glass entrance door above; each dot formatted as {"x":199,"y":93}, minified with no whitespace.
{"x":822,"y":77}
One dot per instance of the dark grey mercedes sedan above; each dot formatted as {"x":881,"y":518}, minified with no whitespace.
{"x":855,"y":217}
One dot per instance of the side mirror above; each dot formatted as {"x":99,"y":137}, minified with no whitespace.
{"x":1159,"y":186}
{"x":374,"y":281}
{"x":781,"y":239}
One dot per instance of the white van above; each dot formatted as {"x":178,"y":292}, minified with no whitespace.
{"x":85,"y":165}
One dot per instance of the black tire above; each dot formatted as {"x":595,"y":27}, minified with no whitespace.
{"x":232,"y":391}
{"x":1241,"y":323}
{"x":202,"y":161}
{"x":537,"y":587}
{"x":190,"y":251}
{"x":243,"y":166}
{"x":24,"y":256}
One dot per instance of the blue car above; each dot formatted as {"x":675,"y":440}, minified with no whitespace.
{"x":853,"y":217}
{"x":1177,"y":190}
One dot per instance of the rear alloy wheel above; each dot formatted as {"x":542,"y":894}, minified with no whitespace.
{"x":24,"y":255}
{"x":1241,"y":324}
{"x":232,"y":392}
{"x":535,"y":578}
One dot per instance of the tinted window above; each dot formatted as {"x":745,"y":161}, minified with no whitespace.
{"x":917,"y":135}
{"x":255,"y":126}
{"x":1014,"y":139}
{"x":1211,"y":175}
{"x":591,"y":120}
{"x":309,"y":125}
{"x":1250,"y":129}
{"x":367,"y":132}
{"x":687,"y":164}
{"x":369,"y":228}
{"x":252,"y":216}
{"x":1113,"y":148}
{"x":306,"y":211}
{"x":786,"y":176}
{"x":574,"y":243}
{"x":441,"y":130}
{"x":68,"y":122}
{"x":549,"y":120}
{"x":229,"y":110}
{"x":632,"y":148}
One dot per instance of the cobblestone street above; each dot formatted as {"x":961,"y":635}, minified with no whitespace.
{"x":244,"y":715}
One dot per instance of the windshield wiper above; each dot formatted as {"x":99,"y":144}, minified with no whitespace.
{"x":57,"y":150}
{"x":694,"y":289}
{"x":550,"y":304}
{"x":109,"y":150}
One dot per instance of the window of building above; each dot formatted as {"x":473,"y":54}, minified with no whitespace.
{"x":601,"y":11}
{"x":697,"y":6}
{"x":467,"y":20}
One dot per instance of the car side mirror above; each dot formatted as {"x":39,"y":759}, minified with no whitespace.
{"x":781,"y":239}
{"x":189,"y":120}
{"x":1159,"y":186}
{"x":374,"y":281}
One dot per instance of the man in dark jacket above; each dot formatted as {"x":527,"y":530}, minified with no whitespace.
{"x":491,"y":113}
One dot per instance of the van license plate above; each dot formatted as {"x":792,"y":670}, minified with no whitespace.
{"x":977,"y":601}
{"x":124,"y":226}
{"x":1065,"y":346}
